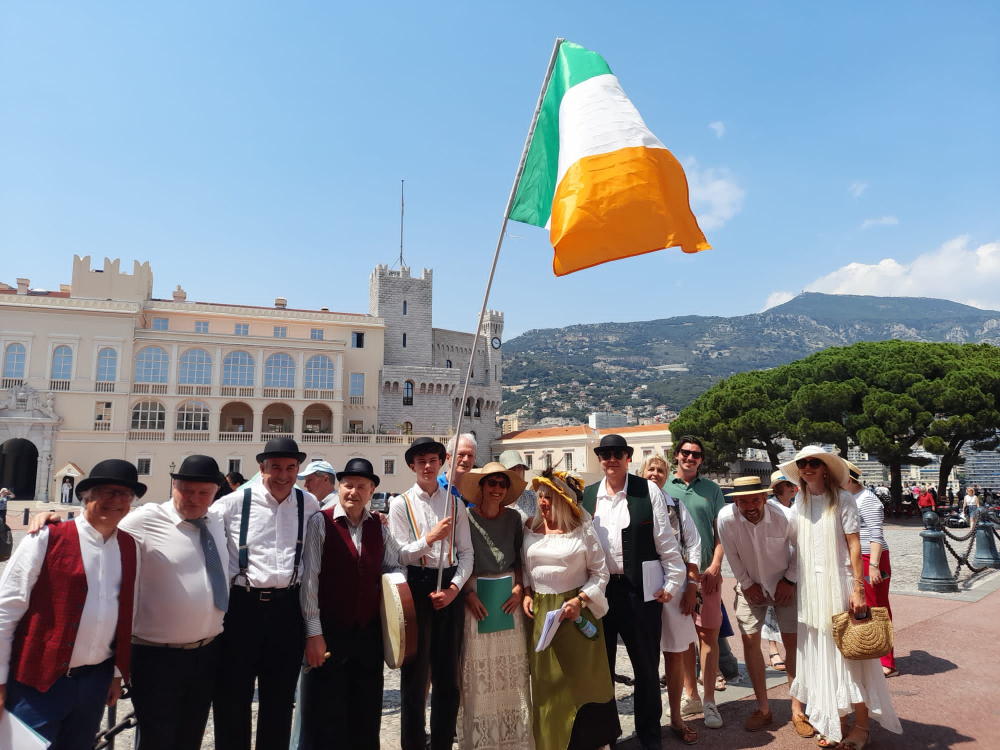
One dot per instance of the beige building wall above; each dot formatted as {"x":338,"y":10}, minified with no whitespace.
{"x":182,"y":381}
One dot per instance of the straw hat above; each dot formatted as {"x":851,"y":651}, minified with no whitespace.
{"x":835,"y":464}
{"x":854,"y":471}
{"x":777,"y":477}
{"x":747,"y":486}
{"x":564,"y":484}
{"x":472,"y":491}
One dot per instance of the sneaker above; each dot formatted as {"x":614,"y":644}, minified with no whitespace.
{"x":690,"y":706}
{"x":713,"y":719}
{"x":757,"y":721}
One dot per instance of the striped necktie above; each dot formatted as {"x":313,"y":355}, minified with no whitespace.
{"x":213,"y":563}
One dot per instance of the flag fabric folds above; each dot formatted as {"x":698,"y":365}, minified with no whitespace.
{"x":606,"y":187}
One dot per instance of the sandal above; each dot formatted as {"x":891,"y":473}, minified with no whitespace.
{"x":891,"y":673}
{"x":824,"y":742}
{"x":685,"y":734}
{"x":720,"y":683}
{"x":779,"y":664}
{"x":853,"y":744}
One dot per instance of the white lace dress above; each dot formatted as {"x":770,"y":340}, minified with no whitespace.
{"x":825,"y":681}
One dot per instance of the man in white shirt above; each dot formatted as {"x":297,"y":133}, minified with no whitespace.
{"x":630,"y":517}
{"x":431,"y":527}
{"x":264,"y":636}
{"x":66,"y":606}
{"x":320,"y":478}
{"x":183,"y":596}
{"x":759,"y":540}
{"x":348,"y":551}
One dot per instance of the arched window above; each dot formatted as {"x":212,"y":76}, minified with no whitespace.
{"x":196,"y":368}
{"x":404,"y":340}
{"x":107,"y":365}
{"x":62,"y":363}
{"x":447,"y":363}
{"x":237,"y":369}
{"x":319,"y":372}
{"x":192,"y":415}
{"x":479,"y":409}
{"x":468,"y":407}
{"x":151,"y":365}
{"x":279,"y":371}
{"x":13,"y":361}
{"x":148,"y":415}
{"x":404,"y":307}
{"x":407,"y":428}
{"x":407,"y":393}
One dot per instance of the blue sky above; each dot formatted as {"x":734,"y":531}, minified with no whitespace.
{"x":253,"y":149}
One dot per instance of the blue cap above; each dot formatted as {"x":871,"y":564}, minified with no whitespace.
{"x":315,"y":466}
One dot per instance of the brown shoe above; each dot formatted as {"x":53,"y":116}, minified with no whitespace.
{"x":757,"y":721}
{"x":802,"y":727}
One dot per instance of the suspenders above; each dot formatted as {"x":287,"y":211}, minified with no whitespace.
{"x":245,"y":524}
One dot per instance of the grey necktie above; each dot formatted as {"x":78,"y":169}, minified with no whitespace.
{"x":213,"y":563}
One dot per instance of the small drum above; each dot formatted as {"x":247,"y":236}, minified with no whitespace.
{"x":399,"y":621}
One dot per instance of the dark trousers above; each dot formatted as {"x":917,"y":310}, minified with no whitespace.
{"x":172,"y":690}
{"x":638,"y":623}
{"x":439,"y":651}
{"x":262,"y":641}
{"x":341,"y":702}
{"x":69,"y":713}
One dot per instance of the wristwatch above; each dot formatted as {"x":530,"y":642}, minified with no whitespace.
{"x":583,"y":602}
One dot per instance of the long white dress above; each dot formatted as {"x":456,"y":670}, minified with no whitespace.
{"x":825,"y":681}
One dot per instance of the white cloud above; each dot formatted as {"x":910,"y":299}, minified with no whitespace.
{"x":954,"y":271}
{"x":719,"y":127}
{"x":715,"y":196}
{"x":882,"y":221}
{"x":857,"y":188}
{"x":777,"y":298}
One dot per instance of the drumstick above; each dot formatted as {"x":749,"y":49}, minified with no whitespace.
{"x":309,"y":666}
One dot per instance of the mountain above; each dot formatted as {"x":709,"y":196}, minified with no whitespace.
{"x":667,"y":363}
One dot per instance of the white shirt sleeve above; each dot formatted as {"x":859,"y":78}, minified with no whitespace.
{"x":671,"y":560}
{"x":19,"y":578}
{"x":410,"y":550}
{"x":597,"y":568}
{"x":692,"y":539}
{"x":312,"y":564}
{"x":792,"y":572}
{"x":727,"y":535}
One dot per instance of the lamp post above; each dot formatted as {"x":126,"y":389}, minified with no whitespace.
{"x":169,"y":481}
{"x":48,"y":476}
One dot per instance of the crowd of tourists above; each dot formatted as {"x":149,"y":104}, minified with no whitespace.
{"x":273,"y":590}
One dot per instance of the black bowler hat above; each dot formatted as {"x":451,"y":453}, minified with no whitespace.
{"x":281,"y":447}
{"x":198,"y":469}
{"x":614,"y":443}
{"x":358,"y":467}
{"x":113,"y":471}
{"x":423,"y":445}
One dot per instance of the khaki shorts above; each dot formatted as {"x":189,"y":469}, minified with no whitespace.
{"x":751,"y":616}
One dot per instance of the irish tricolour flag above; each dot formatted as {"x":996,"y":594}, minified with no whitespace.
{"x":606,"y":187}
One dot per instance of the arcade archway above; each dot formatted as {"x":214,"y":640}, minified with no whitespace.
{"x":19,"y":467}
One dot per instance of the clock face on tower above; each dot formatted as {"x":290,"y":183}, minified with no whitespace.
{"x":495,"y":343}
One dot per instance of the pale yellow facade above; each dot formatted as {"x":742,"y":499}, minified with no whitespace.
{"x":102,"y":370}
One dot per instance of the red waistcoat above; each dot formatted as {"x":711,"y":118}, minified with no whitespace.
{"x":350,"y":584}
{"x":43,"y":642}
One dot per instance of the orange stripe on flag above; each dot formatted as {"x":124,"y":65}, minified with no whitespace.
{"x":620,"y":204}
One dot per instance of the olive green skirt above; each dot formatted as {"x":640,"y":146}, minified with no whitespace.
{"x":573,"y":698}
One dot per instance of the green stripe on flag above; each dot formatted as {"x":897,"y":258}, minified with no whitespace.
{"x":533,"y":202}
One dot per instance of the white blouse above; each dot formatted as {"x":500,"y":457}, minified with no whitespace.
{"x":847,"y":522}
{"x":556,"y":563}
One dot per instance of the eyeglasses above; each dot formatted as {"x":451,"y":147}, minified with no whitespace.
{"x":812,"y":463}
{"x":690,"y":454}
{"x":109,"y":493}
{"x":497,"y":482}
{"x":608,"y":455}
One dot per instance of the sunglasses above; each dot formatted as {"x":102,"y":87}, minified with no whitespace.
{"x":690,"y":454}
{"x":109,"y":493}
{"x":497,"y":482}
{"x":812,"y":463}
{"x":608,"y":455}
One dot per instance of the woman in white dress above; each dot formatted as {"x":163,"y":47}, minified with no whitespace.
{"x":572,"y":696}
{"x":830,"y":582}
{"x":677,"y":632}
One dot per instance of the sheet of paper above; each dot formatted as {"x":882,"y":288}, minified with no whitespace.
{"x":493,"y":592}
{"x":17,"y":735}
{"x":652,"y":579}
{"x":549,"y":628}
{"x":396,"y":577}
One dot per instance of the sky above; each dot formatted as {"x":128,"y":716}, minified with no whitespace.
{"x":251,"y":149}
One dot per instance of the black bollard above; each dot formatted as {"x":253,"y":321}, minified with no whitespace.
{"x":935,"y":576}
{"x":986,"y":548}
{"x":24,"y":521}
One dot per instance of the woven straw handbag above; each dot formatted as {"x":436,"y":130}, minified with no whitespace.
{"x":869,"y":638}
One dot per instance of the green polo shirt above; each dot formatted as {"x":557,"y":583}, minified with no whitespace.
{"x":703,"y":499}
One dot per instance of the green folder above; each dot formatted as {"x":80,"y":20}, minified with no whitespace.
{"x":493,"y":592}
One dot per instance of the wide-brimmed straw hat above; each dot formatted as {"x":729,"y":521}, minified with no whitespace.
{"x":564,"y":484}
{"x":747,"y":486}
{"x":777,"y":477}
{"x":835,"y":464}
{"x":472,"y":490}
{"x":854,"y":472}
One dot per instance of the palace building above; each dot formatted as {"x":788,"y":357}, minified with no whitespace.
{"x":101,"y":369}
